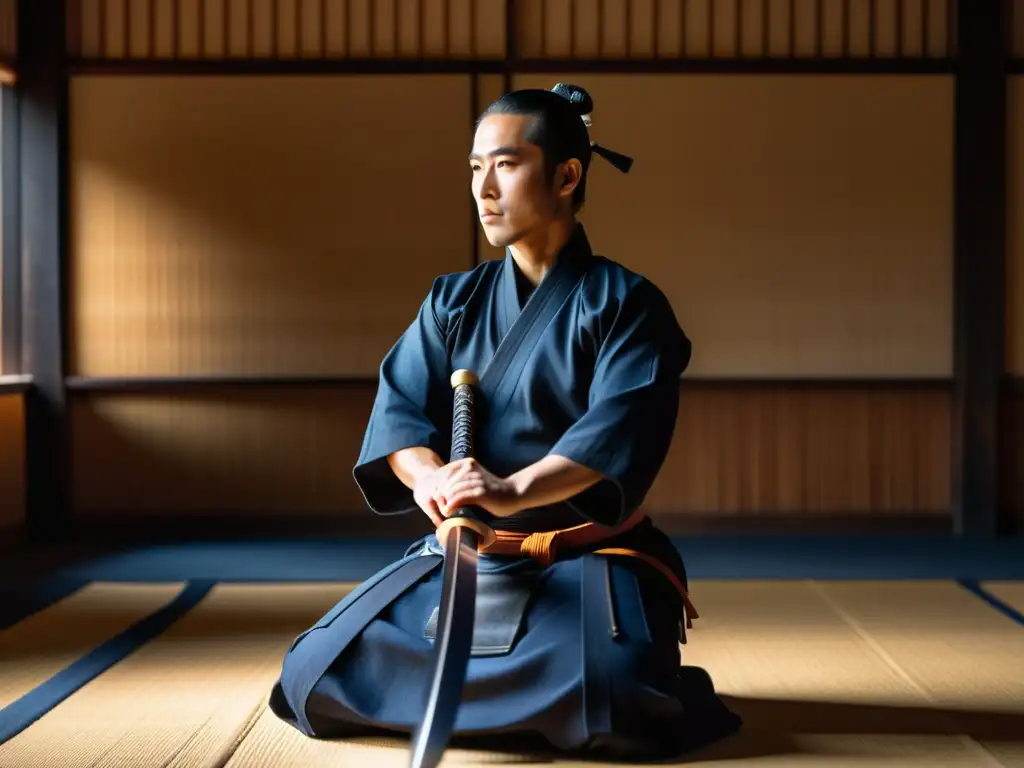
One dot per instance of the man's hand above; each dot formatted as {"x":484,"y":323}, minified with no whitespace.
{"x":439,"y":488}
{"x":428,"y":491}
{"x":441,"y":491}
{"x":469,"y":484}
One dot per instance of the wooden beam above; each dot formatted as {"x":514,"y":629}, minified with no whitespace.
{"x":979,"y":261}
{"x":15,"y":385}
{"x":10,"y":240}
{"x":43,"y":96}
{"x":509,"y":68}
{"x":200,"y":383}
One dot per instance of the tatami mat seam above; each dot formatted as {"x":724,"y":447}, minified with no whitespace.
{"x":24,"y":711}
{"x":875,"y":647}
{"x":185,"y":744}
{"x":992,"y":601}
{"x":243,"y":734}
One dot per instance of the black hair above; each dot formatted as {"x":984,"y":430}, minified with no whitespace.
{"x":560,"y":129}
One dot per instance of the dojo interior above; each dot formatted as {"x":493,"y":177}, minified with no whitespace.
{"x":218,"y":215}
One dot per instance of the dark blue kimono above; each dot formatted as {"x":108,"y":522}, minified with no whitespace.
{"x":584,"y":653}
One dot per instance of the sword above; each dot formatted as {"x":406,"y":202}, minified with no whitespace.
{"x":462,"y":534}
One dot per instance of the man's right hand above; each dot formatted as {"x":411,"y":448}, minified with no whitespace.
{"x":423,"y":471}
{"x":428,"y":494}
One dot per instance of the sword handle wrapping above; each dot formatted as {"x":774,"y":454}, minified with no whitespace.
{"x":463,"y":412}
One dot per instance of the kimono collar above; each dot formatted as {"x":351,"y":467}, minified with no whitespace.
{"x":576,"y":249}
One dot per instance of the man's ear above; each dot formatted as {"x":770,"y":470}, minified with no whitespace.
{"x":569,"y":176}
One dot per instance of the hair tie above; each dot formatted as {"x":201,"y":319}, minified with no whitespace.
{"x":618,"y":161}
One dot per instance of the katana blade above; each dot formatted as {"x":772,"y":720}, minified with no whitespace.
{"x":461,"y":535}
{"x":452,"y":647}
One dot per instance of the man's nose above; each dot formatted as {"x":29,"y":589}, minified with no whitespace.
{"x":487,"y":189}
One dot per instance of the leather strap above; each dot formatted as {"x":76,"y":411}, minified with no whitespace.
{"x":691,"y":612}
{"x":544,"y":546}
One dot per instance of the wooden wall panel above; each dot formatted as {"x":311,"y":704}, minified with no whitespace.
{"x":1017,"y":19}
{"x":1011,"y":421}
{"x":801,"y":226}
{"x":741,"y":452}
{"x":757,"y":449}
{"x":3,"y":359}
{"x":1015,"y":228}
{"x":286,"y":29}
{"x":8,"y":31}
{"x":245,"y":225}
{"x":12,"y":463}
{"x":247,"y":452}
{"x":733,"y":28}
{"x":1011,"y":457}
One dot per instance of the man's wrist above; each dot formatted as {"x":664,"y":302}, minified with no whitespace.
{"x":520,"y":484}
{"x":414,"y":464}
{"x":423,"y":471}
{"x":550,"y":480}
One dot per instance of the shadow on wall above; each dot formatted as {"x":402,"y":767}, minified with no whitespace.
{"x":231,"y":452}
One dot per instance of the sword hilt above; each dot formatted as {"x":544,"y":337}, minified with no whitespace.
{"x":463,"y":412}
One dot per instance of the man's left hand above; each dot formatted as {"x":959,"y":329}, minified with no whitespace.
{"x":472,"y":485}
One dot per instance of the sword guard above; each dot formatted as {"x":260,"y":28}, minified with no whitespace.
{"x":463,"y":518}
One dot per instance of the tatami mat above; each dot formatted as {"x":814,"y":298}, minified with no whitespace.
{"x":43,"y":644}
{"x":187,"y":698}
{"x":1010,"y":592}
{"x":863,"y":673}
{"x":824,"y":673}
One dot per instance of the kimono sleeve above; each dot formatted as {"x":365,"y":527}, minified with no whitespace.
{"x":633,"y":403}
{"x":411,"y":409}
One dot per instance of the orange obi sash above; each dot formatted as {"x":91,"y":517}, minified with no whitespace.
{"x":544,"y":547}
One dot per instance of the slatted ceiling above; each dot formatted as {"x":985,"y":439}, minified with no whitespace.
{"x":287,"y":29}
{"x":12,"y":460}
{"x":732,"y":28}
{"x":475,"y":28}
{"x":407,"y":33}
{"x":752,"y":29}
{"x":245,"y":225}
{"x":582,"y":14}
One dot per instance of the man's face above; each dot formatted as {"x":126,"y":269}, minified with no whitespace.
{"x":511,"y":192}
